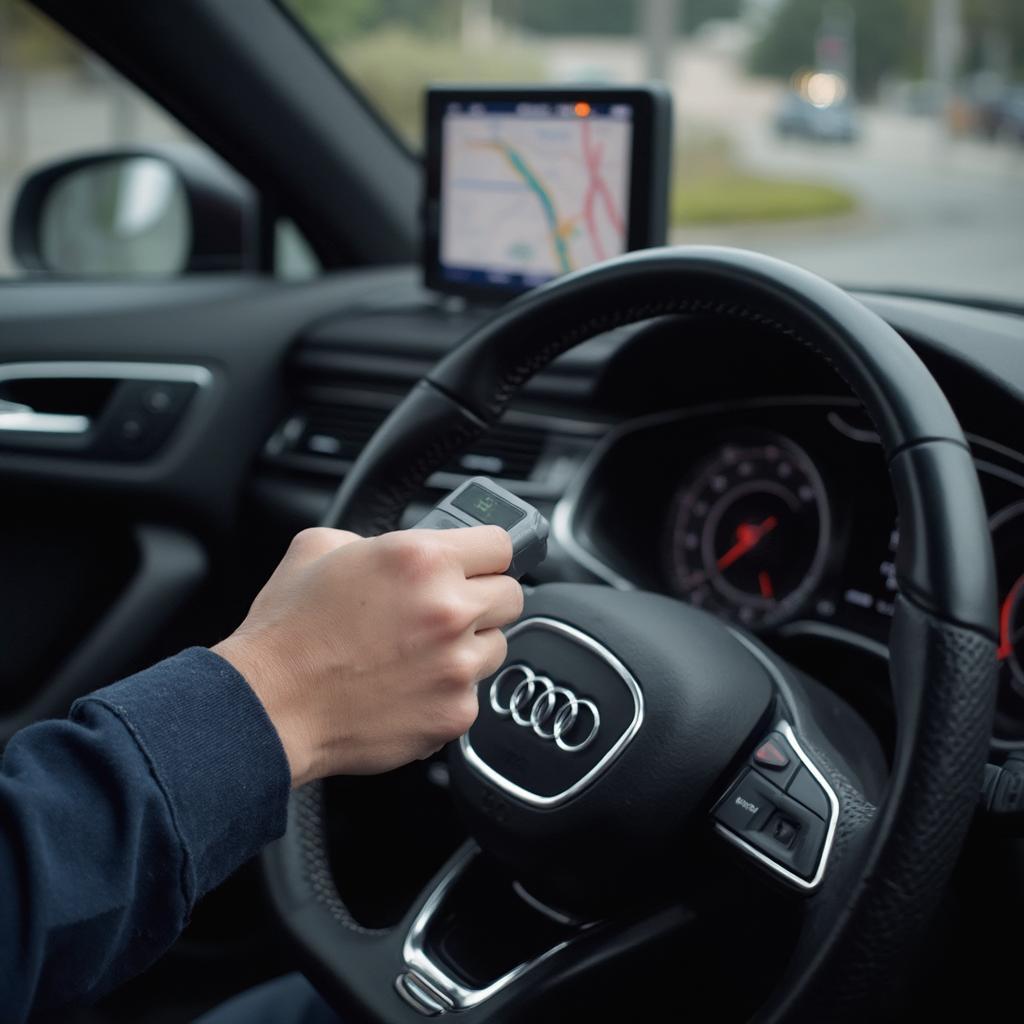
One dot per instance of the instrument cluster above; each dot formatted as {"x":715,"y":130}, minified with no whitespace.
{"x":779,"y":515}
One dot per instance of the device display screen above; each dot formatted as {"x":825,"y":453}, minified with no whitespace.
{"x":532,"y":189}
{"x":488,"y":508}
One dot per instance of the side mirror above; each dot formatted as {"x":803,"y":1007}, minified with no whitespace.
{"x":152,"y":212}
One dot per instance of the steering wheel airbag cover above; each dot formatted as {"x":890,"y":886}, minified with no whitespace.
{"x":703,"y":695}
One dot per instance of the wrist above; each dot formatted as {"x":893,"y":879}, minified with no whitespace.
{"x":278,"y":688}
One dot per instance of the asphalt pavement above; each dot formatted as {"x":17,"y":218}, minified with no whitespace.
{"x":934,"y":214}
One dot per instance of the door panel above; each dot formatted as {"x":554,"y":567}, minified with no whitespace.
{"x":103,"y":544}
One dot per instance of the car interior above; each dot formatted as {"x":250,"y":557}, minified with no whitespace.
{"x":783,"y":596}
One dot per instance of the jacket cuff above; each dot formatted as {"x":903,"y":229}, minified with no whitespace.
{"x":214,"y":753}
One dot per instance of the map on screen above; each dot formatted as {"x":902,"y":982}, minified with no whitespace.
{"x":531,"y":190}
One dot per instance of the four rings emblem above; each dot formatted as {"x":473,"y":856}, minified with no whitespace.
{"x":553,"y":712}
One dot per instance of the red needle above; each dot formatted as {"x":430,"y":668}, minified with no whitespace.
{"x":1005,"y":611}
{"x":765,"y":583}
{"x":748,"y":536}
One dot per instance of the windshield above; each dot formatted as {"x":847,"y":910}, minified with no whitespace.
{"x":879,"y":143}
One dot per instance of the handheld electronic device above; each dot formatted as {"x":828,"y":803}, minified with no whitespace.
{"x":526,"y":183}
{"x":481,"y":502}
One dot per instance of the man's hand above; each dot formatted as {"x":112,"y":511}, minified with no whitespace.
{"x":366,"y":653}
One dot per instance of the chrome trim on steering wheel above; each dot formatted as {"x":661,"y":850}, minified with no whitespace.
{"x":537,"y":721}
{"x":426,"y":976}
{"x":782,"y":726}
{"x":833,"y":819}
{"x":542,"y":706}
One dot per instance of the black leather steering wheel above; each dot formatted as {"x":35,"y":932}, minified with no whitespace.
{"x":688,"y":702}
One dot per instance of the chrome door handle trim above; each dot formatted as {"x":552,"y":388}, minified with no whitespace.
{"x":99,"y":370}
{"x":24,"y":419}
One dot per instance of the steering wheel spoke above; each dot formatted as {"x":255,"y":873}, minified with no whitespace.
{"x":478,"y":940}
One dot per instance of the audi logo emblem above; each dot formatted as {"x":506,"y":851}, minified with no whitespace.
{"x":535,"y":702}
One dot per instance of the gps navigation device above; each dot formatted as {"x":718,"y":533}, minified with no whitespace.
{"x":525,"y":184}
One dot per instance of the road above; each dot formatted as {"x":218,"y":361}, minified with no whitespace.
{"x":933,"y":214}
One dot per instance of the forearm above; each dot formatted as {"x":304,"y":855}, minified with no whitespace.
{"x":114,"y":822}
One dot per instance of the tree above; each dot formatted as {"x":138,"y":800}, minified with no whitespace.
{"x":890,"y":36}
{"x":28,"y":39}
{"x":587,"y":17}
{"x":339,"y":21}
{"x":883,"y":31}
{"x":336,"y":21}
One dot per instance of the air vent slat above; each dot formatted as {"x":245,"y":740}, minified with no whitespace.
{"x":341,"y":432}
{"x":506,"y":451}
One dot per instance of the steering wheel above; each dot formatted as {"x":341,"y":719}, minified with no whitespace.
{"x":636,"y":758}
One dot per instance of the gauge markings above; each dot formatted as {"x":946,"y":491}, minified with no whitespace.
{"x":748,"y":533}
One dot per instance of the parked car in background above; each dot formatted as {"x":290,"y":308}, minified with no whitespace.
{"x":1010,"y":122}
{"x":819,"y":108}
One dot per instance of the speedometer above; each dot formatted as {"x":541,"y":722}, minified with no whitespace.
{"x":749,"y":532}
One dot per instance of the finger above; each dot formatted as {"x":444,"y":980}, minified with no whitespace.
{"x":310,"y":544}
{"x":480,"y":550}
{"x":499,"y":598}
{"x":493,"y":649}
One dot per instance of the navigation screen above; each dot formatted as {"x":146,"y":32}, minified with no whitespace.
{"x":531,"y":190}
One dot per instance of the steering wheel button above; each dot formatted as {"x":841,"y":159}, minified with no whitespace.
{"x":775,"y":759}
{"x":746,"y":806}
{"x":783,"y":830}
{"x":771,"y":755}
{"x":775,"y":823}
{"x":805,"y":788}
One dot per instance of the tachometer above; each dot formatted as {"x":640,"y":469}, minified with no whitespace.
{"x":749,"y":532}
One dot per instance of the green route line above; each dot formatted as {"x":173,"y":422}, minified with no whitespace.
{"x":519,"y":164}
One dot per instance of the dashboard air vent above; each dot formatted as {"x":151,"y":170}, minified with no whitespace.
{"x":509,"y":451}
{"x":336,"y":431}
{"x":506,"y":451}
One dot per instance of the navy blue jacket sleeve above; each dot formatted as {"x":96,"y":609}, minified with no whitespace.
{"x":116,"y":820}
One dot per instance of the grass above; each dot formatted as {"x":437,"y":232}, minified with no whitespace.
{"x":741,"y":198}
{"x":710,"y":187}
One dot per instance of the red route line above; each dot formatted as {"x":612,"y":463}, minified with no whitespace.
{"x":591,"y":159}
{"x":596,"y":186}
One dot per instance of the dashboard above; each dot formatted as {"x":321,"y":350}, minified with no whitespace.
{"x":778,"y":514}
{"x":690,"y":456}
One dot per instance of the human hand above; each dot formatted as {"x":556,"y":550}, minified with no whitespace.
{"x":366,"y":652}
